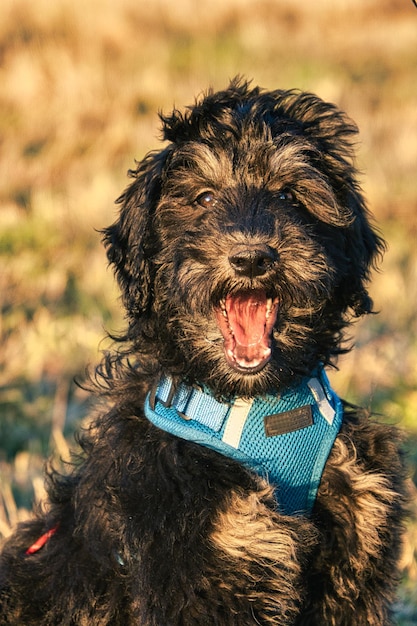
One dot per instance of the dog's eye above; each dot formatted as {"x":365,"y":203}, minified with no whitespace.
{"x":206,"y":199}
{"x":286,"y":195}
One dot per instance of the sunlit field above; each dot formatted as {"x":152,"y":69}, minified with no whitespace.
{"x":81,"y":85}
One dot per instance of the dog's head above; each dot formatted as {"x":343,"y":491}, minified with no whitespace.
{"x":244,"y":247}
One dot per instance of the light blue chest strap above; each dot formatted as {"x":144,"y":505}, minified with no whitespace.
{"x":285,"y":438}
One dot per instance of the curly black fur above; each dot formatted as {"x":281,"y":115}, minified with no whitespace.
{"x":255,"y":192}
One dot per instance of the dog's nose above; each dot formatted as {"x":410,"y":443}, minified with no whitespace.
{"x":253,"y":261}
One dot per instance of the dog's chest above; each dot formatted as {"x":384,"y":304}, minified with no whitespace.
{"x":285,"y":438}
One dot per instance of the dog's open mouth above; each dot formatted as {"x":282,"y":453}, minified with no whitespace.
{"x":246,"y":320}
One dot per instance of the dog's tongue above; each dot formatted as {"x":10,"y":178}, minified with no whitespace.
{"x":246,"y":322}
{"x":247,"y":313}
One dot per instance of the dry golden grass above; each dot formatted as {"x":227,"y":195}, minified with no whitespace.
{"x":80,"y":85}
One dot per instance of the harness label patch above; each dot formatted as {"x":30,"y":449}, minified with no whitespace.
{"x":281,"y":423}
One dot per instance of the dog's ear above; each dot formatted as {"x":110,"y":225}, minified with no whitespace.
{"x":363,"y":246}
{"x":130,"y":242}
{"x":333,"y":134}
{"x":363,"y":249}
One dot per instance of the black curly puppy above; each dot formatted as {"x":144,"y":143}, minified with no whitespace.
{"x":226,"y":483}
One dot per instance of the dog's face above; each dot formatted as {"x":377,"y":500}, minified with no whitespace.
{"x":244,"y":246}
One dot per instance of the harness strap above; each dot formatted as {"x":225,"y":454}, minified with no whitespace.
{"x":236,"y":422}
{"x":192,"y":403}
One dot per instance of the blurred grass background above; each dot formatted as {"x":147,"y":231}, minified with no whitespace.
{"x":81,"y":82}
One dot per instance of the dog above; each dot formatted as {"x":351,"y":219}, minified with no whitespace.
{"x":223,"y":481}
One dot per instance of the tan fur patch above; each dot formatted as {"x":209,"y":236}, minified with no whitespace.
{"x":264,"y":547}
{"x":369,"y":502}
{"x":249,"y":529}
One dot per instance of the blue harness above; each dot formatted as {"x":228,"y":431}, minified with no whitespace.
{"x":285,"y":438}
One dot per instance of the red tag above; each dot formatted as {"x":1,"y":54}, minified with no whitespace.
{"x":41,"y":541}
